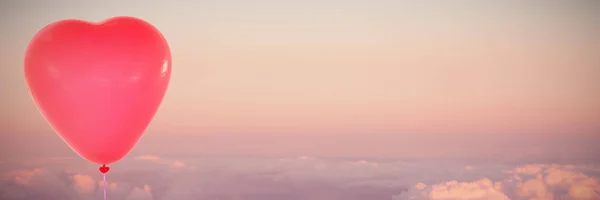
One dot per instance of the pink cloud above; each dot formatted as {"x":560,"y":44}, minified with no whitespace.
{"x":420,"y":186}
{"x":556,"y":178}
{"x":315,"y":177}
{"x":143,"y":193}
{"x":177,"y":164}
{"x":22,"y":177}
{"x":148,"y":158}
{"x":483,"y":189}
{"x":83,"y":183}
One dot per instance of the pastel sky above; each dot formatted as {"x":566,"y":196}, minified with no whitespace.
{"x":360,"y":77}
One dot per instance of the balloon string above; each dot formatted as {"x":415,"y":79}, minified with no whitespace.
{"x":104,"y":176}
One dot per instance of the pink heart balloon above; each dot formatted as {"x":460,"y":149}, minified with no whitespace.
{"x":99,"y":84}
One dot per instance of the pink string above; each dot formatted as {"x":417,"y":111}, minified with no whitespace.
{"x":104,"y":176}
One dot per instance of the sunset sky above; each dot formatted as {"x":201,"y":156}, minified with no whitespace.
{"x":349,"y":78}
{"x":332,"y":100}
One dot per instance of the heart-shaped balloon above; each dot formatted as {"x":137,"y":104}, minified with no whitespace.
{"x":99,"y":84}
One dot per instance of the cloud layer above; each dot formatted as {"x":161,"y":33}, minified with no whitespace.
{"x":152,"y":177}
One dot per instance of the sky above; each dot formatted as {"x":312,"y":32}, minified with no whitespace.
{"x":355,"y":71}
{"x":506,"y":85}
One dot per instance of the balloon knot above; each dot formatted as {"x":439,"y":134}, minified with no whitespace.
{"x":104,"y":169}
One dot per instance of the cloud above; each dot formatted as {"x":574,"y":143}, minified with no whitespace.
{"x":483,"y":189}
{"x":148,"y":158}
{"x":177,"y":164}
{"x":160,"y":178}
{"x":22,"y":177}
{"x":533,"y":181}
{"x":36,"y":183}
{"x":83,"y":183}
{"x":285,"y":178}
{"x":143,"y":193}
{"x":156,"y":159}
{"x":555,"y":181}
{"x":420,"y":186}
{"x":109,"y":185}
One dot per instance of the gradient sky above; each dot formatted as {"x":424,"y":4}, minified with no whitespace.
{"x":337,"y":70}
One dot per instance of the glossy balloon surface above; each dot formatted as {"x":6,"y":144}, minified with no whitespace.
{"x":99,"y":84}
